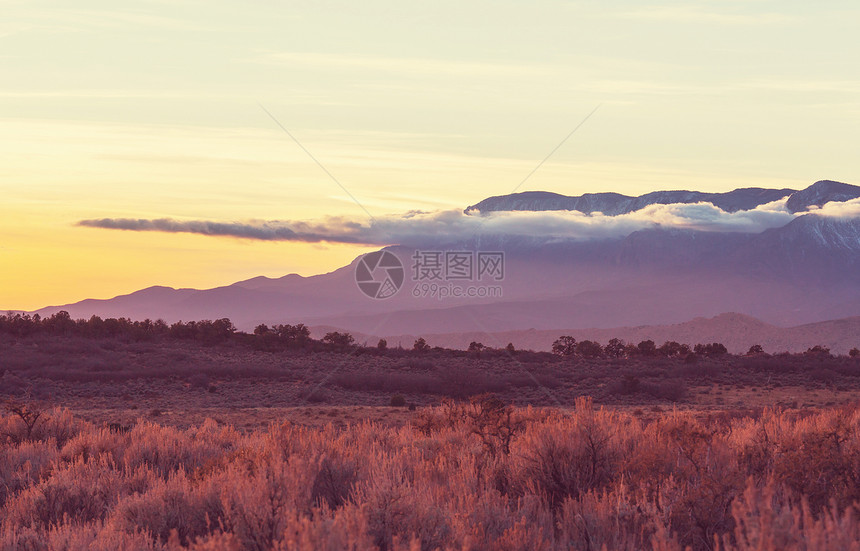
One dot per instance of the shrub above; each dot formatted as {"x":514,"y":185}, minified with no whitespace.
{"x":316,"y":395}
{"x":12,"y":384}
{"x":494,"y":422}
{"x":569,"y":457}
{"x":673,"y":390}
{"x":28,"y":412}
{"x":81,"y":492}
{"x":418,"y":364}
{"x":478,"y":475}
{"x":199,"y":380}
{"x":629,"y":384}
{"x":170,"y":506}
{"x":818,"y":351}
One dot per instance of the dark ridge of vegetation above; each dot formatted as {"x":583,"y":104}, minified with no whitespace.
{"x":451,"y":382}
{"x":298,"y":337}
{"x":57,"y":356}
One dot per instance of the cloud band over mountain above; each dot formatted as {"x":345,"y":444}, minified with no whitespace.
{"x":423,"y":228}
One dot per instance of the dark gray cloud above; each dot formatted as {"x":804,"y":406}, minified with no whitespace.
{"x":263,"y":230}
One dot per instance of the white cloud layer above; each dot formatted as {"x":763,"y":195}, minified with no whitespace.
{"x":423,"y":228}
{"x":836,"y":209}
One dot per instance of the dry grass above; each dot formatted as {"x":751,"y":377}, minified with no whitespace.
{"x":460,"y":476}
{"x":172,"y":444}
{"x":192,"y":379}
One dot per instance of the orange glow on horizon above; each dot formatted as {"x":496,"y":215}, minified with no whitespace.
{"x":59,"y":264}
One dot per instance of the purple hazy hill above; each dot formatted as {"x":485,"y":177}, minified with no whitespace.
{"x":801,"y":273}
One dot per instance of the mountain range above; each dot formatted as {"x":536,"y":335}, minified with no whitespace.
{"x":614,"y":204}
{"x":803,"y":272}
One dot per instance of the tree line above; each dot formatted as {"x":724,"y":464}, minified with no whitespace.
{"x":617,"y":348}
{"x":298,"y":336}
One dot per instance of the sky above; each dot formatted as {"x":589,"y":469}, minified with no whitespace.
{"x":157,"y":110}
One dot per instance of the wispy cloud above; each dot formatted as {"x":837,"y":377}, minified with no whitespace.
{"x":704,"y":14}
{"x":81,"y":20}
{"x":398,"y":65}
{"x":419,"y":228}
{"x":645,"y":87}
{"x":104,"y":93}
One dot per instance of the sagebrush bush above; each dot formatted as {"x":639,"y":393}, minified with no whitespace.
{"x":479,"y":475}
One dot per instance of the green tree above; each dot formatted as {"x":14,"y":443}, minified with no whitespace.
{"x":295,"y":336}
{"x":647,"y":348}
{"x":589,"y":349}
{"x":615,"y":348}
{"x":755,"y":350}
{"x":672,"y":349}
{"x":339,"y":341}
{"x":818,"y":350}
{"x":564,"y":346}
{"x":710,"y":350}
{"x":420,"y":345}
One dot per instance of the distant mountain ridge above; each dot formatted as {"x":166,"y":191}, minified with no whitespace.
{"x":613,"y":204}
{"x":820,"y":193}
{"x":803,"y":272}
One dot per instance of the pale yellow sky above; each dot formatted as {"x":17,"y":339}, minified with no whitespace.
{"x":150,"y":109}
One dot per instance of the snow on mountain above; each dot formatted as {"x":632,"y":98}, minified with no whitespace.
{"x":821,"y":192}
{"x":614,"y":204}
